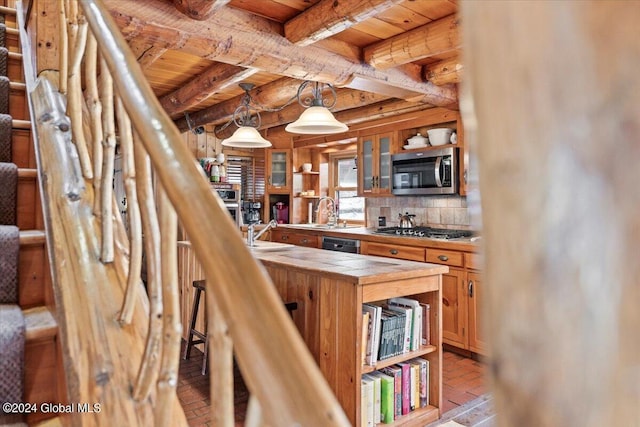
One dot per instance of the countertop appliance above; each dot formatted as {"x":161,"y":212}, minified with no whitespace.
{"x":340,"y":244}
{"x":251,"y":212}
{"x":230,"y":195}
{"x":425,"y":172}
{"x":426,"y":232}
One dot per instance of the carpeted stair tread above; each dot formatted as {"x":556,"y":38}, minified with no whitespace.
{"x":5,"y":90}
{"x":9,"y":263}
{"x":8,"y":193}
{"x":12,"y":338}
{"x":6,"y":127}
{"x":40,"y":323}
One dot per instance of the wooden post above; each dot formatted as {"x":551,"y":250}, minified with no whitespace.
{"x":554,"y":91}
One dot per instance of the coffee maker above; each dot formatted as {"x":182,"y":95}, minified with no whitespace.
{"x":251,"y":212}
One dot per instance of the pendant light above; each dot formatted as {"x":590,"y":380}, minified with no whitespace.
{"x":316,"y":119}
{"x":247,"y":135}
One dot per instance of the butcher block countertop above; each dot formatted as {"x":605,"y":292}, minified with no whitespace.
{"x":354,"y":268}
{"x":368,"y":234}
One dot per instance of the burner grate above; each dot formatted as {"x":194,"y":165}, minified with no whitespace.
{"x":429,"y":232}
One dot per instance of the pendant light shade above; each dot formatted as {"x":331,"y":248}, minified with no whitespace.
{"x":316,"y":120}
{"x":246,"y":137}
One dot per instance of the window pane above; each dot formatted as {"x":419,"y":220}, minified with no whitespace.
{"x":347,"y":173}
{"x":350,"y":206}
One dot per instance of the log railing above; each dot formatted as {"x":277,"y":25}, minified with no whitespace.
{"x":121,"y":342}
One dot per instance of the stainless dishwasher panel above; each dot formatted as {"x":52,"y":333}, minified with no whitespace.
{"x":338,"y":244}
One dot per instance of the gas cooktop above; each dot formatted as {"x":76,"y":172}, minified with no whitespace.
{"x":428,"y":232}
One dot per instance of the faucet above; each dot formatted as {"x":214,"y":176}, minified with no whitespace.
{"x":252,"y":237}
{"x":332,"y":217}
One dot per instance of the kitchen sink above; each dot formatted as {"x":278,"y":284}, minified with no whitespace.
{"x":265,"y":245}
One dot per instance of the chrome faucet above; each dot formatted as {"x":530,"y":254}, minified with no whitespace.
{"x":252,"y":237}
{"x":332,"y":216}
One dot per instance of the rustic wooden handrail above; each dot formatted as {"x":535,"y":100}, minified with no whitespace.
{"x":284,"y":380}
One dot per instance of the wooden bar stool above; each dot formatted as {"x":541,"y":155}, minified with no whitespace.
{"x":203,"y":336}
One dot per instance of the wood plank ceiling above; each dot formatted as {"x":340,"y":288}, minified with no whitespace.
{"x":385,"y":56}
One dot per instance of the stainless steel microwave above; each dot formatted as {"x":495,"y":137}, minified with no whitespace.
{"x":430,"y":171}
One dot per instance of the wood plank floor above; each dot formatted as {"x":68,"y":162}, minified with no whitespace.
{"x":465,"y":398}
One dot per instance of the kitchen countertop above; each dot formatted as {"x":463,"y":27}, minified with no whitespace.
{"x":355,"y":268}
{"x":368,"y":234}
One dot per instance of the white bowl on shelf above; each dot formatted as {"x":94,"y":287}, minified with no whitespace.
{"x":439,"y":136}
{"x":306,"y":167}
{"x":417,"y":141}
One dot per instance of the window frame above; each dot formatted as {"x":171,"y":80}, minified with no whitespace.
{"x":333,"y":182}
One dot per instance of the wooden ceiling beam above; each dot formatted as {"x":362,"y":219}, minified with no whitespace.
{"x":444,"y":72}
{"x":434,"y":38}
{"x":146,"y":53}
{"x":214,"y":79}
{"x":272,"y":94}
{"x":257,"y":43}
{"x":199,"y":9}
{"x":329,"y":17}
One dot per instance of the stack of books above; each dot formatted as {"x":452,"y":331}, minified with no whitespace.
{"x":398,"y":326}
{"x":394,"y":391}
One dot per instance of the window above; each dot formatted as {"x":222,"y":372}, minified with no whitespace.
{"x":344,"y":186}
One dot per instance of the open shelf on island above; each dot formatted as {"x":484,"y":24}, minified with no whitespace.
{"x":425,"y":349}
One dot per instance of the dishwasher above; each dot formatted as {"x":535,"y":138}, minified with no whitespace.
{"x":340,"y":244}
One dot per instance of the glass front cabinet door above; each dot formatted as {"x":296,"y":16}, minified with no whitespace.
{"x":374,"y":164}
{"x":279,"y":170}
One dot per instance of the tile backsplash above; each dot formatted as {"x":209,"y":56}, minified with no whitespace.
{"x":430,"y":211}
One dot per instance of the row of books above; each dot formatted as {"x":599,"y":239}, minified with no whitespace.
{"x":398,"y":326}
{"x":394,"y":391}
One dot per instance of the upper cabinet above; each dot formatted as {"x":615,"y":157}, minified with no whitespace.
{"x":278,"y":170}
{"x":374,"y":164}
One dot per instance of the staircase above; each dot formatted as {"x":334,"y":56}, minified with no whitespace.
{"x":43,"y":379}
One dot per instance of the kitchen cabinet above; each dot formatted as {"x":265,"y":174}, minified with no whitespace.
{"x":454,"y":308}
{"x":294,"y":238}
{"x":476,"y":337}
{"x":374,"y":164}
{"x":279,"y":170}
{"x":411,"y":253}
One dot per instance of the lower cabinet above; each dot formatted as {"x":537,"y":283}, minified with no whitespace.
{"x":293,"y":238}
{"x":476,"y":337}
{"x":454,"y":308}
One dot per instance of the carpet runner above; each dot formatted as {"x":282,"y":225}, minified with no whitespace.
{"x":12,"y":323}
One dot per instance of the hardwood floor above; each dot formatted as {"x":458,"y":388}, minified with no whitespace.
{"x":464,"y":392}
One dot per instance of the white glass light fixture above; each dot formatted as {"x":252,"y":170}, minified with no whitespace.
{"x":316,"y":119}
{"x":247,"y":135}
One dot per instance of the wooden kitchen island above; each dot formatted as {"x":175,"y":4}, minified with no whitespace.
{"x":329,"y":289}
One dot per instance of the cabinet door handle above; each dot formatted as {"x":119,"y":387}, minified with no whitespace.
{"x":443,"y":258}
{"x":373,"y":181}
{"x":470,"y":288}
{"x":393,"y":251}
{"x":304,"y":241}
{"x":377,"y":182}
{"x":285,"y":237}
{"x":269,"y":179}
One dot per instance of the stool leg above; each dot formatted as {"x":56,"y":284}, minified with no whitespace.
{"x":192,"y":326}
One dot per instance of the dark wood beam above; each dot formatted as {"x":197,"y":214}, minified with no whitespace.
{"x":329,"y":17}
{"x":434,"y":38}
{"x":199,"y":9}
{"x":214,"y":79}
{"x":242,"y":39}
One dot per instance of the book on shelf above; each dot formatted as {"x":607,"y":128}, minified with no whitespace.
{"x":390,"y":342}
{"x":396,"y":373}
{"x":415,"y":384}
{"x":373,"y":334}
{"x":404,"y":327}
{"x":424,"y":380}
{"x":406,"y":387}
{"x":416,"y":321}
{"x":376,"y":396}
{"x":365,"y":332}
{"x":387,"y":397}
{"x":426,"y":324}
{"x":367,"y":399}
